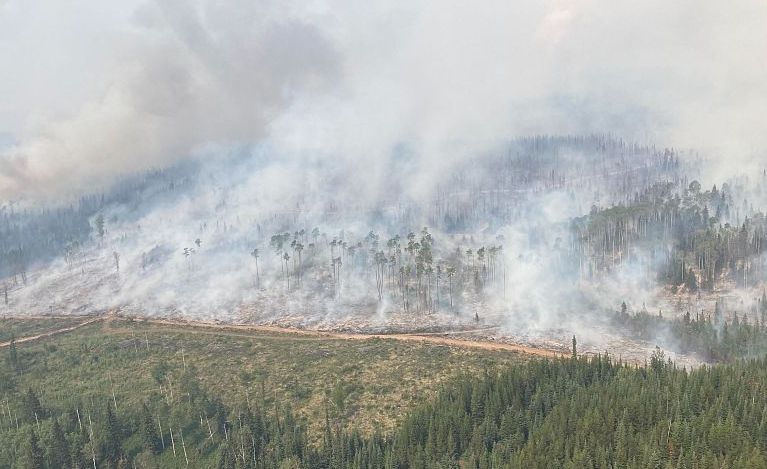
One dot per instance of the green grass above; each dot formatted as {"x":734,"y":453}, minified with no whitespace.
{"x":368,"y":384}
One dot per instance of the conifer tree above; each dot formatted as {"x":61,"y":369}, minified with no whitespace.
{"x":33,"y":410}
{"x":111,"y":442}
{"x":149,"y":431}
{"x":58,"y":454}
{"x":34,"y":455}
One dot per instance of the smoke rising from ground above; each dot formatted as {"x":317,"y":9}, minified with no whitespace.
{"x":355,"y":117}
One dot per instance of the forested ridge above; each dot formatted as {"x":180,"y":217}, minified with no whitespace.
{"x":467,"y":244}
{"x":35,"y":234}
{"x":489,"y":189}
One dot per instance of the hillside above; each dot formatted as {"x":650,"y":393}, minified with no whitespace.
{"x":127,"y":392}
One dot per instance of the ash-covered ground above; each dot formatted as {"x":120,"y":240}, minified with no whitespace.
{"x":96,"y":287}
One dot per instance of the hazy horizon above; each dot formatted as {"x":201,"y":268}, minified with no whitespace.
{"x":95,"y":90}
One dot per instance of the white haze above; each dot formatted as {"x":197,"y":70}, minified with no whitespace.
{"x":333,"y":101}
{"x":92,"y":90}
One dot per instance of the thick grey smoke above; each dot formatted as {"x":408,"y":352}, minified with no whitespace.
{"x":313,"y":113}
{"x":93,"y":90}
{"x":183,"y":74}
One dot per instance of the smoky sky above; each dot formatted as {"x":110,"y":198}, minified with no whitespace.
{"x":92,"y":89}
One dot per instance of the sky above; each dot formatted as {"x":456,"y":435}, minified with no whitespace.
{"x":91,"y":89}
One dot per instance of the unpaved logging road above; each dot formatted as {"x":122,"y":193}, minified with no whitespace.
{"x":55,"y":332}
{"x":423,"y":337}
{"x":248,"y":330}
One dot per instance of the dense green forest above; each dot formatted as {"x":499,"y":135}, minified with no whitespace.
{"x":577,"y":412}
{"x":584,"y":413}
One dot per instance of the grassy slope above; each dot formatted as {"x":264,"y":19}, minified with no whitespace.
{"x":381,"y":378}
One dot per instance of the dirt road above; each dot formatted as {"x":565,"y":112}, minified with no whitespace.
{"x":217,"y":328}
{"x":44,"y":335}
{"x":429,"y":337}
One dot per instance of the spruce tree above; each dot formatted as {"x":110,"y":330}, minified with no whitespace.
{"x":111,"y":446}
{"x":33,"y":410}
{"x":34,"y":455}
{"x":149,"y":431}
{"x":58,"y":452}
